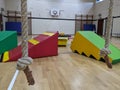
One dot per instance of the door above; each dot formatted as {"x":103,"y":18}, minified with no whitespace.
{"x":1,"y":23}
{"x":100,"y":27}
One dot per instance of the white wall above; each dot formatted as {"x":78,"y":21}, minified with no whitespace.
{"x":41,"y":8}
{"x":102,"y":8}
{"x":116,"y":21}
{"x":2,"y":4}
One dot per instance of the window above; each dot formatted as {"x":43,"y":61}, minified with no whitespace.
{"x":99,"y":0}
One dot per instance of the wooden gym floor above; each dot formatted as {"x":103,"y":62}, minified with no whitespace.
{"x":67,"y":71}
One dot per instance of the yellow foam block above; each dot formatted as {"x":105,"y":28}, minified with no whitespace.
{"x":33,"y":41}
{"x":6,"y":56}
{"x":82,"y":45}
{"x":48,"y":33}
{"x":62,"y":40}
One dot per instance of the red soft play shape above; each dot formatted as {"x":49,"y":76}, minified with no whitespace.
{"x":48,"y":46}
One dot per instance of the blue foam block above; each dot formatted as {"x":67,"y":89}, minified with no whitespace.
{"x":13,"y":26}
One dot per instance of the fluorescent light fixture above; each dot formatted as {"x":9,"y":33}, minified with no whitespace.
{"x":99,"y":0}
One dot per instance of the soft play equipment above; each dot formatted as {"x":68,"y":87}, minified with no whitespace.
{"x":89,"y":27}
{"x":62,"y":41}
{"x":45,"y":44}
{"x":63,"y":38}
{"x":8,"y":40}
{"x":90,"y":43}
{"x":64,"y":35}
{"x":13,"y":26}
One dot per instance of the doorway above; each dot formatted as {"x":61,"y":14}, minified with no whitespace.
{"x":100,"y":27}
{"x":1,"y":22}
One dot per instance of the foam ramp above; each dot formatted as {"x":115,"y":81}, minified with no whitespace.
{"x":90,"y":43}
{"x":44,"y":45}
{"x":8,"y":40}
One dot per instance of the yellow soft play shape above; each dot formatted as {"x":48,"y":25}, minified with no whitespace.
{"x":33,"y":41}
{"x":48,"y":33}
{"x":62,"y":41}
{"x":82,"y":45}
{"x":6,"y":56}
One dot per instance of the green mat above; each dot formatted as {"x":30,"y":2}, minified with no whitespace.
{"x":99,"y":42}
{"x":8,"y":40}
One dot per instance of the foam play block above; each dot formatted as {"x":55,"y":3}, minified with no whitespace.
{"x":62,"y":41}
{"x":46,"y":47}
{"x":43,"y":45}
{"x":13,"y":26}
{"x":90,"y":43}
{"x":89,"y":27}
{"x":8,"y":41}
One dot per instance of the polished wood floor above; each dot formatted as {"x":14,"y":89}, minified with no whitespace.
{"x":67,"y":71}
